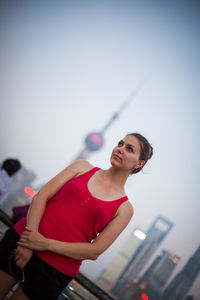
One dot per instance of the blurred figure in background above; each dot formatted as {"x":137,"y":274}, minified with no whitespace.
{"x":8,"y":169}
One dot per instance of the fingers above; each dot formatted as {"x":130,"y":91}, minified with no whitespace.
{"x":25,"y":240}
{"x":23,"y":244}
{"x":22,"y":256}
{"x":33,"y":240}
{"x":25,"y":234}
{"x":28,"y":229}
{"x":20,"y":263}
{"x":17,"y":255}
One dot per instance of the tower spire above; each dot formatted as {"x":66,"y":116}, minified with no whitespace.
{"x":128,"y":100}
{"x":94,"y":140}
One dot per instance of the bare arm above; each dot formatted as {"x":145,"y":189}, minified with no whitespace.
{"x":39,"y":201}
{"x":36,"y":241}
{"x":36,"y":210}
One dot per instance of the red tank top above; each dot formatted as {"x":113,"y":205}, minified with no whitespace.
{"x":73,"y":215}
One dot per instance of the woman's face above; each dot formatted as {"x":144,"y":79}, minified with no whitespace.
{"x":126,"y":155}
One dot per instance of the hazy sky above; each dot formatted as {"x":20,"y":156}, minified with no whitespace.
{"x":67,"y":66}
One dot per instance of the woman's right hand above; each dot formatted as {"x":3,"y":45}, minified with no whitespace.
{"x":22,"y":255}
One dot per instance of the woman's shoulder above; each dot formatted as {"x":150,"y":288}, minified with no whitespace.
{"x":127,"y":208}
{"x":83,"y":166}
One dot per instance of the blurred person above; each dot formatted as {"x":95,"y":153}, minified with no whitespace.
{"x":8,"y":169}
{"x":77,"y":215}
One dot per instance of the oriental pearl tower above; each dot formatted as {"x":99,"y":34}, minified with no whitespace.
{"x":94,"y":140}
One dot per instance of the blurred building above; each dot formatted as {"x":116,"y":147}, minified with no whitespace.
{"x":110,"y":275}
{"x":154,"y":236}
{"x":154,"y":279}
{"x":159,"y":272}
{"x":183,"y":281}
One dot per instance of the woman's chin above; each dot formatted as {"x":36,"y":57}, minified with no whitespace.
{"x":114,"y":162}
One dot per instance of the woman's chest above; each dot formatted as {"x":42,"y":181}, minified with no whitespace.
{"x":101,"y":189}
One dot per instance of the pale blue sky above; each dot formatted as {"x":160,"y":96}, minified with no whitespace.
{"x":67,"y":66}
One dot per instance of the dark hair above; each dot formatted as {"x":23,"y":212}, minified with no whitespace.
{"x":146,"y":150}
{"x":11,"y":166}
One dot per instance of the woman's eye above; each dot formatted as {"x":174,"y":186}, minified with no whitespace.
{"x":130,"y":149}
{"x":120,"y":144}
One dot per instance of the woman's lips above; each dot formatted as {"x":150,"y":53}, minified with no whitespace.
{"x":116,"y":156}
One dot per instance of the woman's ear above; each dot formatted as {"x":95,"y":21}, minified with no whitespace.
{"x":140,"y":164}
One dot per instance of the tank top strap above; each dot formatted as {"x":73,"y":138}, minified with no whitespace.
{"x":92,"y":171}
{"x":122,"y":200}
{"x":86,"y":176}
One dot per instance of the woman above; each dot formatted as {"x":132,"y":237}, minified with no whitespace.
{"x":77,"y":215}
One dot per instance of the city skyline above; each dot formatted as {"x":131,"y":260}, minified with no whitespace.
{"x":154,"y":279}
{"x":155,"y":234}
{"x":110,"y":277}
{"x":180,"y":285}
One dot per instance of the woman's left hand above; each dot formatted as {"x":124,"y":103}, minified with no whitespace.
{"x":33,"y":240}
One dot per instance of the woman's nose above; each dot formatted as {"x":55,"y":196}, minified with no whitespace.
{"x":120,"y":150}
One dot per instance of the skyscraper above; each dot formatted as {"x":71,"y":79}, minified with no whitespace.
{"x":184,"y":280}
{"x":110,"y":275}
{"x":158,"y":273}
{"x":154,"y":279}
{"x":160,"y":270}
{"x":155,"y":235}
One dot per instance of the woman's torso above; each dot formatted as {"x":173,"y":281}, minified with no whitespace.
{"x":73,"y":214}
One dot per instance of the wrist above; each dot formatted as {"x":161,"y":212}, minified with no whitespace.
{"x":27,"y":228}
{"x":48,"y":244}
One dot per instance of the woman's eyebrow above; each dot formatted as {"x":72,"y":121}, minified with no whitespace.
{"x":130,"y":145}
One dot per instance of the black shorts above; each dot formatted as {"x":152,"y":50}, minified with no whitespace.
{"x":42,"y":281}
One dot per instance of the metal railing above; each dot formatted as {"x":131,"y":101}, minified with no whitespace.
{"x":83,"y":287}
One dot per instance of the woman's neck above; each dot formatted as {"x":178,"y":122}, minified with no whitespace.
{"x":116,"y":176}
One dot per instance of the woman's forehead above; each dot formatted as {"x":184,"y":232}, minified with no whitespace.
{"x":132,"y":140}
